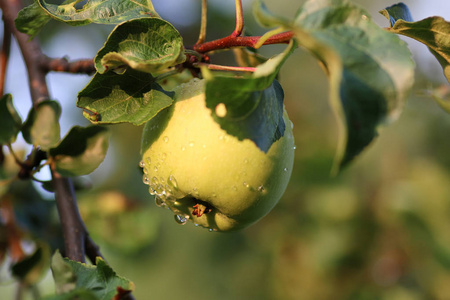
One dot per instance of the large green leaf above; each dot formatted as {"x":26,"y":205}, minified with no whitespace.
{"x":434,"y":32}
{"x":81,"y":151}
{"x":147,"y":44}
{"x":10,"y":121}
{"x":82,"y":280}
{"x":370,"y":70}
{"x":42,"y":125}
{"x":250,"y":106}
{"x":99,"y":11}
{"x":132,"y":97}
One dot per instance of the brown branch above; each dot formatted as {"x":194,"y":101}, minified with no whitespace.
{"x":82,"y":66}
{"x":242,"y":41}
{"x":31,"y":52}
{"x":4,"y":56}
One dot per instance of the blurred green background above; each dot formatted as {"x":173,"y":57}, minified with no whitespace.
{"x":378,"y":230}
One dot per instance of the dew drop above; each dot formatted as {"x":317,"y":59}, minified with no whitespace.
{"x":261,"y":188}
{"x":295,"y":147}
{"x":159,"y":202}
{"x":180,"y":219}
{"x":148,"y":161}
{"x":141,"y":164}
{"x":166,"y":139}
{"x":155,"y":168}
{"x":183,"y":148}
{"x":145,"y":171}
{"x":210,"y":230}
{"x":285,"y":169}
{"x":191,"y":144}
{"x":145,"y":179}
{"x":173,"y":182}
{"x":246,"y":184}
{"x":292,"y":124}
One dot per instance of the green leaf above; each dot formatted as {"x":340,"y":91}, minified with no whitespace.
{"x":397,"y":12}
{"x":370,"y":70}
{"x":434,"y":32}
{"x":42,"y":125}
{"x":99,"y":11}
{"x":10,"y":121}
{"x":249,"y":107}
{"x":81,"y":151}
{"x":31,"y":19}
{"x":132,"y":97}
{"x":100,"y":280}
{"x":148,"y":45}
{"x":65,"y":278}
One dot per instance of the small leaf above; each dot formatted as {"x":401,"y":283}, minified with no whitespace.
{"x":31,"y":19}
{"x":148,"y":45}
{"x":434,"y":32}
{"x":10,"y":121}
{"x":250,"y":107}
{"x":133,"y":97}
{"x":81,"y":151}
{"x":397,"y":12}
{"x":98,"y":282}
{"x":42,"y":125}
{"x":99,"y":11}
{"x":370,"y":69}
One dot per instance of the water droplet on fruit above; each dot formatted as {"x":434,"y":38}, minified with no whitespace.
{"x":183,"y":148}
{"x":155,"y":168}
{"x":220,"y":137}
{"x":261,"y":188}
{"x":221,"y":110}
{"x":180,"y":219}
{"x":141,"y":164}
{"x":145,"y":171}
{"x":285,"y":169}
{"x":246,"y":184}
{"x":159,"y":202}
{"x":166,"y":139}
{"x":191,"y":144}
{"x":295,"y":147}
{"x":292,"y":124}
{"x":148,"y":161}
{"x":145,"y":179}
{"x":173,"y":182}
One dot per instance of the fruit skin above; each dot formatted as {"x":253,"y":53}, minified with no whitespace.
{"x":188,"y":159}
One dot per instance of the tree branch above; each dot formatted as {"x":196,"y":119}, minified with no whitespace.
{"x":242,"y":41}
{"x":4,"y":56}
{"x":82,"y":66}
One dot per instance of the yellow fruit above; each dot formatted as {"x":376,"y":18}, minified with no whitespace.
{"x":204,"y":174}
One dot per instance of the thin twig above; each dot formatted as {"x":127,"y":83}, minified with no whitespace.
{"x":4,"y":56}
{"x":224,"y":68}
{"x":239,"y":19}
{"x":202,"y":34}
{"x":242,"y":41}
